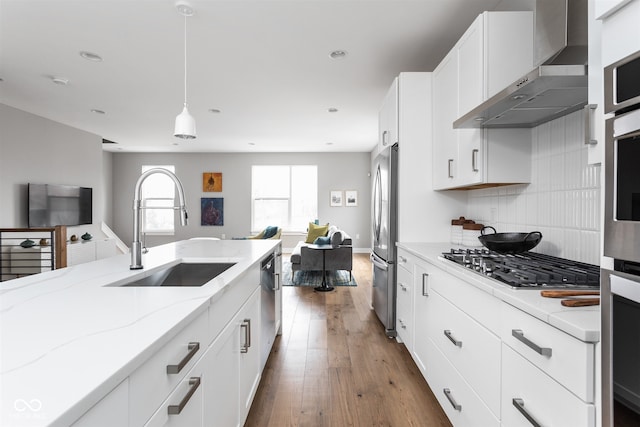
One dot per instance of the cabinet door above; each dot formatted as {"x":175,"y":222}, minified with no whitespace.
{"x":470,"y":49}
{"x":388,"y":118}
{"x":423,"y":275}
{"x":445,"y":111}
{"x":249,"y":328}
{"x":222,"y":387}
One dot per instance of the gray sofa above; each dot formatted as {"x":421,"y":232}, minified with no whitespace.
{"x":340,"y":257}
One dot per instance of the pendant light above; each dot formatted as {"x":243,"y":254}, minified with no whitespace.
{"x":185,"y":127}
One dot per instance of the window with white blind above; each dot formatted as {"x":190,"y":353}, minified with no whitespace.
{"x":285,"y":196}
{"x":158,"y":191}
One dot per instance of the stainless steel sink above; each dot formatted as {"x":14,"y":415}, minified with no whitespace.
{"x":185,"y":274}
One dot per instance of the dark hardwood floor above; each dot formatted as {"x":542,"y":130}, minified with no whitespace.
{"x":334,"y":366}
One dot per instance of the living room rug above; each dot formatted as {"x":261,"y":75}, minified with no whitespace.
{"x":314,"y":278}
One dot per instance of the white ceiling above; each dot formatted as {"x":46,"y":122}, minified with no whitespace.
{"x":264,"y":64}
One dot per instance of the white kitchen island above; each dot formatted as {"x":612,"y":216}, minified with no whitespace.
{"x":77,"y":346}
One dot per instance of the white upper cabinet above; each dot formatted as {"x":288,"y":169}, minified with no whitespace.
{"x":445,"y":110}
{"x":605,"y":8}
{"x":388,"y":118}
{"x":495,"y":51}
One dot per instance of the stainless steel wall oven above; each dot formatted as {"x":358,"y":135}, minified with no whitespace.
{"x":620,"y":288}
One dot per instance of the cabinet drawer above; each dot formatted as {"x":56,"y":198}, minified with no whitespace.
{"x":406,"y":261}
{"x":150,"y":384}
{"x":471,"y":349}
{"x":478,"y":304}
{"x":451,"y":389}
{"x":190,"y":394}
{"x":539,"y":396}
{"x":565,"y":358}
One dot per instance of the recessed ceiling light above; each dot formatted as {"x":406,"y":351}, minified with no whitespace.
{"x":516,"y":97}
{"x":60,"y":81}
{"x":214,"y":110}
{"x":96,"y":111}
{"x":479,"y":119}
{"x":184,"y":8}
{"x":91,"y":56}
{"x":332,"y":110}
{"x":338,"y":54}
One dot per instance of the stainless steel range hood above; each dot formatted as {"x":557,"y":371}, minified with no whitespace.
{"x":556,"y":86}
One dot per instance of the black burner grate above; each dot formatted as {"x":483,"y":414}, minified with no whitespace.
{"x":528,"y":269}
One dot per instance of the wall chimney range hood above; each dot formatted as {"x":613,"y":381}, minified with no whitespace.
{"x":556,"y":86}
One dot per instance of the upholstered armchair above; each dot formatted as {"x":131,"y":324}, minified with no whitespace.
{"x":271,"y":232}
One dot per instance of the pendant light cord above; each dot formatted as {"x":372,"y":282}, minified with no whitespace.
{"x":185,"y":60}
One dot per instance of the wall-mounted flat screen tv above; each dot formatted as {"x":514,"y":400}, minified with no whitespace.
{"x":51,"y":205}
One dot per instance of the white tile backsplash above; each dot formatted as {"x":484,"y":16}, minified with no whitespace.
{"x":562,"y":201}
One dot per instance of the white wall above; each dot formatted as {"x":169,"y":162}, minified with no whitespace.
{"x":562,"y":201}
{"x":336,"y":171}
{"x":35,"y":149}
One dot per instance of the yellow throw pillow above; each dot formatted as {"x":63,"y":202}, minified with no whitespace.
{"x":316,"y":231}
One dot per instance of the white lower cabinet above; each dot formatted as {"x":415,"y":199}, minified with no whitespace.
{"x":248,"y":323}
{"x":404,"y":300}
{"x":467,"y":345}
{"x":461,"y":404}
{"x":152,"y":382}
{"x":489,"y":363}
{"x":423,"y":276}
{"x":530,"y":397}
{"x":184,"y":406}
{"x":110,"y":411}
{"x":568,"y":360}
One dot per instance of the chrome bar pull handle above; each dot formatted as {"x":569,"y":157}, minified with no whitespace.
{"x":474,"y":160}
{"x":589,"y":120}
{"x":402,"y":286}
{"x":447,"y":333}
{"x":385,"y":134}
{"x":402,"y":324}
{"x":519,"y":404}
{"x":519,"y":335}
{"x":194,"y":383}
{"x":246,"y":324}
{"x":193,"y":348}
{"x":277,"y":286}
{"x":449,"y":174}
{"x":453,"y":402}
{"x":401,"y":259}
{"x":425,"y":287}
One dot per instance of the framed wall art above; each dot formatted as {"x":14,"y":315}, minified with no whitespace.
{"x":351,"y":198}
{"x":211,"y":182}
{"x":336,"y":198}
{"x":211,"y":211}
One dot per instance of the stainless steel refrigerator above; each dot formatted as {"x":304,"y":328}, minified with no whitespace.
{"x":384,"y":220}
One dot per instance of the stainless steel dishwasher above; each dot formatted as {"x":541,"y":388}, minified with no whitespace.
{"x":268,"y":303}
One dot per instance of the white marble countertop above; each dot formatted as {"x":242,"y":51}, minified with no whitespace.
{"x":580,"y":322}
{"x":69,"y":336}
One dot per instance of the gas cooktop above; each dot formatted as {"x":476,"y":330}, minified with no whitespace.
{"x":528,"y":270}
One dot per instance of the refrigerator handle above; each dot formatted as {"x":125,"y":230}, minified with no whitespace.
{"x":378,"y":262}
{"x":377,"y":205}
